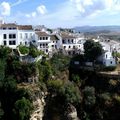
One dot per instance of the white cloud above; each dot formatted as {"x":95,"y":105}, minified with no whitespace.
{"x":89,"y":7}
{"x":18,"y":2}
{"x":41,"y":9}
{"x":5,"y":9}
{"x":33,"y":14}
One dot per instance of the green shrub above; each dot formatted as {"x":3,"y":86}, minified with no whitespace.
{"x":34,"y":52}
{"x":89,"y":96}
{"x":23,"y":49}
{"x":22,"y":109}
{"x":5,"y":51}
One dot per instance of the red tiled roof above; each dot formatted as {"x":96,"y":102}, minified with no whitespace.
{"x":42,"y":34}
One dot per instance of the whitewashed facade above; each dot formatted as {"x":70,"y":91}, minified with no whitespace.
{"x":72,"y":44}
{"x":12,"y":35}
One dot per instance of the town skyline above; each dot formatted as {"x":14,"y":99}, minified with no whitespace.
{"x":61,"y":13}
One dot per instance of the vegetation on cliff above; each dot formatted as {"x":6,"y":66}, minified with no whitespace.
{"x":94,"y":97}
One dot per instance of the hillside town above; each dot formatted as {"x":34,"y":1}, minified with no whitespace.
{"x":52,"y":41}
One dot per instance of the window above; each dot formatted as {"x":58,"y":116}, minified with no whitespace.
{"x":111,"y":62}
{"x":72,"y":41}
{"x":20,"y":35}
{"x":43,"y":38}
{"x":4,"y":28}
{"x":46,"y":38}
{"x":64,"y":47}
{"x":46,"y":50}
{"x":69,"y":46}
{"x":30,"y":35}
{"x":25,"y":43}
{"x":4,"y":36}
{"x":63,"y":41}
{"x":26,"y":35}
{"x":12,"y":36}
{"x":12,"y":42}
{"x":52,"y":45}
{"x":40,"y":38}
{"x":106,"y":56}
{"x":4,"y":42}
{"x":56,"y":46}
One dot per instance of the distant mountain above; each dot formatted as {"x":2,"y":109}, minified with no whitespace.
{"x":97,"y":28}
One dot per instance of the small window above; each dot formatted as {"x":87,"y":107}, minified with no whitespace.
{"x":12,"y":42}
{"x":46,"y":50}
{"x":25,"y":43}
{"x":111,"y":62}
{"x":52,"y":45}
{"x":12,"y":36}
{"x":46,"y":38}
{"x":26,"y":35}
{"x":63,"y":41}
{"x":5,"y":43}
{"x":4,"y":36}
{"x":4,"y":28}
{"x":72,"y":40}
{"x":64,"y":47}
{"x":69,"y":46}
{"x":106,"y":56}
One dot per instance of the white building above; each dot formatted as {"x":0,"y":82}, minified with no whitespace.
{"x":12,"y":35}
{"x":49,"y":43}
{"x":72,"y":44}
{"x":106,"y":58}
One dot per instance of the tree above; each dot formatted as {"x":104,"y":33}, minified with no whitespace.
{"x":89,"y":96}
{"x":22,"y":109}
{"x":5,"y":51}
{"x":92,"y":50}
{"x":34,"y":52}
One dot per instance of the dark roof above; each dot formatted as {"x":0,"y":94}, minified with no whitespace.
{"x":44,"y":34}
{"x":8,"y":25}
{"x":68,"y":36}
{"x":53,"y":37}
{"x":25,"y":27}
{"x":19,"y":27}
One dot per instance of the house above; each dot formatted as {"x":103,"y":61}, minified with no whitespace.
{"x":107,"y":58}
{"x":72,"y":44}
{"x":12,"y":35}
{"x":43,"y":41}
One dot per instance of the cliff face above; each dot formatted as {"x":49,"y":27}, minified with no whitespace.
{"x":39,"y":104}
{"x":43,"y":108}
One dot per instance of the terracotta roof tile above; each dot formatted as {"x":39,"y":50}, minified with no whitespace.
{"x":67,"y":36}
{"x":54,"y":37}
{"x":25,"y":27}
{"x":44,"y":34}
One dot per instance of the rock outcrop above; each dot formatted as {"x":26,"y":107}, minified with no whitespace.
{"x":71,"y":113}
{"x":39,"y":104}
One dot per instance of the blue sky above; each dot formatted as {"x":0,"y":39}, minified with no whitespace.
{"x":61,"y":13}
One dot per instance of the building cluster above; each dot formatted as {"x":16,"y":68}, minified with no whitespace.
{"x":13,"y":35}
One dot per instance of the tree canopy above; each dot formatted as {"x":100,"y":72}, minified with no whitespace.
{"x":92,"y":50}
